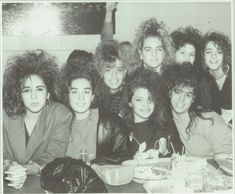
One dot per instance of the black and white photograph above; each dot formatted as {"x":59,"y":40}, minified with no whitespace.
{"x":117,"y":96}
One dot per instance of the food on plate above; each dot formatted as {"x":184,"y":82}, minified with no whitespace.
{"x":159,"y":172}
{"x":213,"y":181}
{"x":150,"y":173}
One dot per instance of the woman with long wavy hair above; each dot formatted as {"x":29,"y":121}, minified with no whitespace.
{"x":188,"y":43}
{"x":143,"y":113}
{"x":217,"y":62}
{"x":35,"y":124}
{"x":112,"y":69}
{"x":203,"y":132}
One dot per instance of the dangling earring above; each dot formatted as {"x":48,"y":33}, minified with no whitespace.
{"x":48,"y":98}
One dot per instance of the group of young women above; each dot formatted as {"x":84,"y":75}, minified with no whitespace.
{"x":171,"y":91}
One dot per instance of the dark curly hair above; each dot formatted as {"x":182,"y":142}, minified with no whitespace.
{"x":20,"y":67}
{"x":106,"y":54}
{"x":223,"y":43}
{"x":179,"y":76}
{"x":80,"y":58}
{"x":189,"y":35}
{"x":151,"y":28}
{"x":143,"y":78}
{"x":70,"y":72}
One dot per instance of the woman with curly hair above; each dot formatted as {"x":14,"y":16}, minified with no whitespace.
{"x":187,"y":42}
{"x":152,"y":46}
{"x":203,"y":133}
{"x":80,"y":58}
{"x":143,"y":112}
{"x":95,"y":132}
{"x":188,"y":48}
{"x":80,"y":61}
{"x":35,"y":125}
{"x":217,"y":61}
{"x":111,"y":66}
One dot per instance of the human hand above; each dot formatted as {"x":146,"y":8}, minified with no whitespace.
{"x":33,"y":168}
{"x":16,"y":175}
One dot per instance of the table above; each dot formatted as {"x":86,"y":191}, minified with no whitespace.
{"x":32,"y":185}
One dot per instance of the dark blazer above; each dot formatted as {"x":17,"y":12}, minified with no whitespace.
{"x":49,"y":138}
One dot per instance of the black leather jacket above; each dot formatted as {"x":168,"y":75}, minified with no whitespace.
{"x":112,"y":138}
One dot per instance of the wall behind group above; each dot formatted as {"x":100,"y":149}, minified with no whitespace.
{"x":202,"y":15}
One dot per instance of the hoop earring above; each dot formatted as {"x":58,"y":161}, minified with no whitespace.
{"x":225,"y":69}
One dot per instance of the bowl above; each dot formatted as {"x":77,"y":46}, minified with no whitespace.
{"x":115,"y":175}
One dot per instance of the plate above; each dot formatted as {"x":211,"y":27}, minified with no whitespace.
{"x":139,"y":162}
{"x":159,"y":186}
{"x":136,"y":162}
{"x":147,"y":173}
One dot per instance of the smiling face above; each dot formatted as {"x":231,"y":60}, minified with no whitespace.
{"x":185,"y":53}
{"x":34,"y":93}
{"x":181,"y":99}
{"x":80,"y":95}
{"x":142,"y":104}
{"x":113,"y":76}
{"x":152,"y":52}
{"x":213,"y":56}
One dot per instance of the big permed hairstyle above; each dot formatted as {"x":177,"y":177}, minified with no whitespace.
{"x":188,"y":35}
{"x":19,"y":68}
{"x":180,"y":76}
{"x":143,"y":78}
{"x":80,"y":58}
{"x":106,"y":54}
{"x":151,"y":28}
{"x":70,"y":72}
{"x":223,"y":43}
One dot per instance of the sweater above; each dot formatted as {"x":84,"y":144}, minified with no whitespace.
{"x":83,"y":136}
{"x":208,"y":138}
